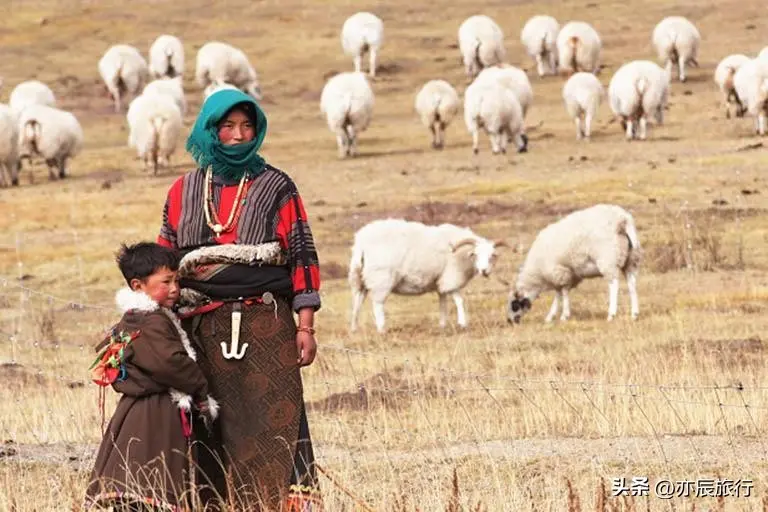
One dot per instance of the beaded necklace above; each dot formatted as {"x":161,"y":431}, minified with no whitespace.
{"x":211,"y":217}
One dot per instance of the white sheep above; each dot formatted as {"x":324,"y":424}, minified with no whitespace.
{"x":597,"y":241}
{"x":363,"y":32}
{"x":51,"y":133}
{"x":481,"y":42}
{"x":9,"y":154}
{"x":514,"y":79}
{"x":578,"y":48}
{"x":763,"y":55}
{"x":677,"y":41}
{"x":219,"y":62}
{"x":638,"y":90}
{"x":724,"y":73}
{"x":166,"y":57}
{"x":583,"y":94}
{"x":437,"y":103}
{"x":751,"y":85}
{"x":490,"y":106}
{"x":395,"y":256}
{"x":347,"y":101}
{"x":154,"y":122}
{"x":31,"y":92}
{"x":124,"y":72}
{"x":216,"y":86}
{"x":539,"y":36}
{"x":172,"y":87}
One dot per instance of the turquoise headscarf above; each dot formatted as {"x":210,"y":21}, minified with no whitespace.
{"x":228,"y":162}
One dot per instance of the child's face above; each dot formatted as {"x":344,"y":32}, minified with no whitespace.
{"x":162,"y":286}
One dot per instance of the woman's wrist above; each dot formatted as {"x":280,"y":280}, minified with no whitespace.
{"x":306,"y":328}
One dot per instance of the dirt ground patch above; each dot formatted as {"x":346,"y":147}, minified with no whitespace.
{"x":459,"y":213}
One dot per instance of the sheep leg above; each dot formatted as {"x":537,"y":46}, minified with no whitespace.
{"x":62,"y":168}
{"x":540,"y":64}
{"x":378,"y":314}
{"x":461,"y":314}
{"x":613,"y":298}
{"x":341,"y":142}
{"x":3,"y":182}
{"x":443,"y":310}
{"x":579,"y":132}
{"x":566,"y":313}
{"x":475,"y":141}
{"x":761,"y":123}
{"x":681,"y":67}
{"x":630,"y":129}
{"x":553,"y":308}
{"x":634,"y":303}
{"x":552,"y":63}
{"x":372,"y":62}
{"x":588,"y":125}
{"x":358,"y":63}
{"x":668,"y":67}
{"x":15,"y":170}
{"x":440,"y":135}
{"x":643,"y":128}
{"x":352,"y":147}
{"x":52,"y":164}
{"x":433,"y":130}
{"x":358,"y":297}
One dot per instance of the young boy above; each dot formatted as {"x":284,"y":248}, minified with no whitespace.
{"x":144,"y":458}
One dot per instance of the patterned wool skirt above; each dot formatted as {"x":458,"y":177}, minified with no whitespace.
{"x":259,"y":454}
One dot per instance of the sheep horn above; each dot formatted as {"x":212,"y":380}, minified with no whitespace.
{"x":461,"y":243}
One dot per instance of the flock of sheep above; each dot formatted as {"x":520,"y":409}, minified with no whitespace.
{"x":597,"y":241}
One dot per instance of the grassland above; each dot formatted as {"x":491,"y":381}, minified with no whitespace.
{"x":520,"y":414}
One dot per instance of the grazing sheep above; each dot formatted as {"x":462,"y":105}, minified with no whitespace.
{"x":347,"y":101}
{"x":124,"y":71}
{"x":52,"y":133}
{"x":596,"y":241}
{"x":583,"y":94}
{"x":639,"y":89}
{"x":437,"y":103}
{"x":362,"y":32}
{"x":496,"y":109}
{"x":724,"y":74}
{"x":154,"y":121}
{"x":578,"y":48}
{"x":751,"y":84}
{"x":31,"y":92}
{"x":219,"y":62}
{"x":514,"y":79}
{"x":166,"y":57}
{"x":171,"y":87}
{"x":9,"y":154}
{"x":481,"y":42}
{"x":539,"y":36}
{"x":395,"y":256}
{"x":677,"y":42}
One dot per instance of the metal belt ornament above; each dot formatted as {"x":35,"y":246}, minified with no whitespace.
{"x":234,"y":350}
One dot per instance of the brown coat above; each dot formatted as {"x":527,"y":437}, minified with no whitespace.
{"x":144,"y":451}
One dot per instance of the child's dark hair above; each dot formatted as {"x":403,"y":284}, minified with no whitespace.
{"x":141,"y":260}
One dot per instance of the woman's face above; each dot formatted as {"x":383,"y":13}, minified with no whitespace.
{"x":236,"y":128}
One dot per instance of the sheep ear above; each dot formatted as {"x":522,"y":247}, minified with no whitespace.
{"x":461,"y":243}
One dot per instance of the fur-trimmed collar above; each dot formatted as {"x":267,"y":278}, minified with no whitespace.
{"x":127,"y":299}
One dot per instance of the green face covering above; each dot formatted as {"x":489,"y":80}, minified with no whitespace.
{"x":228,"y":162}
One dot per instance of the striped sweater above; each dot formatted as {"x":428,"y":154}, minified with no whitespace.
{"x":273,"y":210}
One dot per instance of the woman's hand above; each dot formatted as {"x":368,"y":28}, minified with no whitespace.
{"x":306,"y":345}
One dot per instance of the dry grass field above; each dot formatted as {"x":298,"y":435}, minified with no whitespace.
{"x":494,"y":417}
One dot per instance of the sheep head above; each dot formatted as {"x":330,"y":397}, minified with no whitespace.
{"x":483,"y":253}
{"x":517,"y":306}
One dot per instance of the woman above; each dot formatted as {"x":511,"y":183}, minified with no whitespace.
{"x":248,"y":263}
